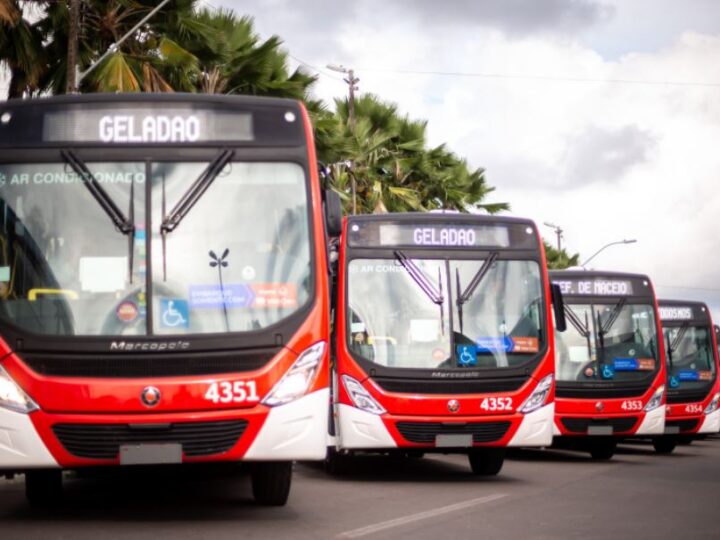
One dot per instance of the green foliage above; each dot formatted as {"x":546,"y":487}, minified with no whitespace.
{"x":384,"y":157}
{"x":380,"y":154}
{"x":559,"y":259}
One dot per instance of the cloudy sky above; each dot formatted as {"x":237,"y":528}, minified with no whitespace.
{"x":600,"y":116}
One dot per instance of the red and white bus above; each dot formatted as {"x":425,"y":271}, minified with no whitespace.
{"x":163,"y":286}
{"x":609,"y":363}
{"x":691,"y":352}
{"x":443,"y":338}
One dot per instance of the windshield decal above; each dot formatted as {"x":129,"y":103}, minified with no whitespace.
{"x":103,"y":274}
{"x":127,"y":312}
{"x":608,"y":371}
{"x":633,"y":364}
{"x":467,"y":355}
{"x":174,"y":313}
{"x":693,"y":375}
{"x":507,"y":344}
{"x":242,"y":295}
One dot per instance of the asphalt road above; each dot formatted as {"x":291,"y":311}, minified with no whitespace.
{"x":539,"y":494}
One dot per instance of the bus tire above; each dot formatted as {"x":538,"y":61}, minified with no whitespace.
{"x":486,"y":461}
{"x":602,"y":449}
{"x":43,"y":487}
{"x":271,"y":482}
{"x":664,"y":445}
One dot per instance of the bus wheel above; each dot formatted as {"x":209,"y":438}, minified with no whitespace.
{"x":602,"y":449}
{"x":271,"y":482}
{"x":664,"y":445}
{"x":486,"y":461}
{"x":43,"y":486}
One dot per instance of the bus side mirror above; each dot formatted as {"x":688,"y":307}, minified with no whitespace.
{"x":333,"y":213}
{"x":558,"y":307}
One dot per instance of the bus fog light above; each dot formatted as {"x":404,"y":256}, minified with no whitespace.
{"x":361,"y":398}
{"x":13,"y":397}
{"x":538,"y":397}
{"x":656,"y":400}
{"x":298,"y":378}
{"x":713,"y":405}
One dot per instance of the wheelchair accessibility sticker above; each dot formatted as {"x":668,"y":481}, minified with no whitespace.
{"x":174,"y":313}
{"x":466,"y":355}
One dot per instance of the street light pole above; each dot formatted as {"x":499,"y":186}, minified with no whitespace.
{"x":558,"y":231}
{"x":631,"y":241}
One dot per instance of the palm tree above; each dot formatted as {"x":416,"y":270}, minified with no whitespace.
{"x":559,"y":259}
{"x":380,"y":162}
{"x":21,"y":48}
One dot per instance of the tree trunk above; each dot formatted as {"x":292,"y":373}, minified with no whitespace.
{"x":72,"y":46}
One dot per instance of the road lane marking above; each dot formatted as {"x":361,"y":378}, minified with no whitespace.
{"x":397,"y":522}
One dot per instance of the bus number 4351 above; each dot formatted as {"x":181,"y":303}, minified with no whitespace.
{"x":232,"y":392}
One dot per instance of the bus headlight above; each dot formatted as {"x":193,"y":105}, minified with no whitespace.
{"x":538,"y":397}
{"x":656,"y":400}
{"x":361,"y":398}
{"x":298,"y":378}
{"x":13,"y":397}
{"x":713,"y":405}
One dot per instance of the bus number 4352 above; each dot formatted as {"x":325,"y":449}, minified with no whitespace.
{"x":232,"y":392}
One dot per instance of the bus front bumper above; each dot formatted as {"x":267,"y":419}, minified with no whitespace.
{"x":294,"y":431}
{"x":361,"y":430}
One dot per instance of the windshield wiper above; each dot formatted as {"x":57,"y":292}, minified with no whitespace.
{"x":613,"y":316}
{"x":125,"y":225}
{"x":433,"y":293}
{"x":171,"y":221}
{"x":463,"y":297}
{"x":582,"y":328}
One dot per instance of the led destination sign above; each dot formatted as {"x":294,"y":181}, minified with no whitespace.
{"x":437,"y":234}
{"x":145,"y":124}
{"x":676,"y":313}
{"x":595,"y":287}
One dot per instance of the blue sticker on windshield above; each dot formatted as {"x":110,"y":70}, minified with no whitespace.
{"x":688,"y":375}
{"x":494,"y":344}
{"x":608,"y":371}
{"x":466,"y":355}
{"x":215,"y":296}
{"x":174,"y":313}
{"x":674,"y":381}
{"x":625,"y":364}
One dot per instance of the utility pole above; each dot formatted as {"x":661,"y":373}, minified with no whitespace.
{"x":558,"y":232}
{"x":351,"y":81}
{"x":71,"y":83}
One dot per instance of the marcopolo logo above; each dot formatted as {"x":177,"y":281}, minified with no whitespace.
{"x":149,"y":345}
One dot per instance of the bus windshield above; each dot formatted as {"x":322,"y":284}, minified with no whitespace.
{"x":689,"y":355}
{"x":238,"y":261}
{"x":395,"y":322}
{"x":607,"y":341}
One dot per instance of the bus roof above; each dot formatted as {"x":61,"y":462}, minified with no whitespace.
{"x":596,"y":283}
{"x":681,"y":311}
{"x":441,"y":231}
{"x":151,"y":119}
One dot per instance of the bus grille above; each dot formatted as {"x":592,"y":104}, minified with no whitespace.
{"x":688,"y":396}
{"x":581,"y":425}
{"x":147,"y":365}
{"x":425,"y":432}
{"x":103,"y":441}
{"x":450,"y":386}
{"x":684,"y":425}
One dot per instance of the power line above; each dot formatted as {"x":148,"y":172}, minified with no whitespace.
{"x":550,"y":78}
{"x":314,"y":68}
